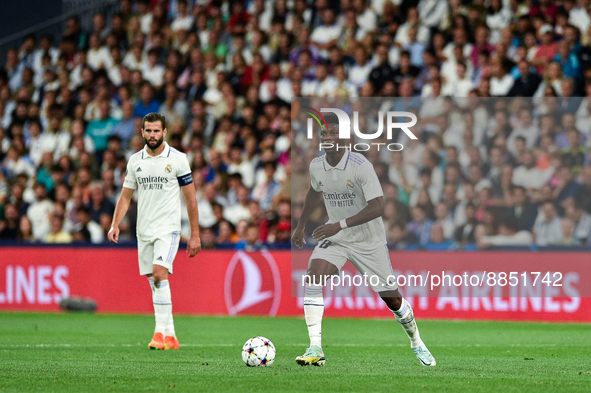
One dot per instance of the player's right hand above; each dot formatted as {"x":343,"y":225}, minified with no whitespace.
{"x":113,"y":234}
{"x":298,"y":238}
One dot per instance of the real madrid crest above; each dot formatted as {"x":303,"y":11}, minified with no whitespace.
{"x":168,"y":168}
{"x":350,"y":184}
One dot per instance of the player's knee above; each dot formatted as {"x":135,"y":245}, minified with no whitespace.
{"x":160,"y":275}
{"x":393,"y":302}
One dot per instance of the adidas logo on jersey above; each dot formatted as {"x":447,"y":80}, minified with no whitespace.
{"x":159,"y":259}
{"x":320,"y":184}
{"x":139,"y":169}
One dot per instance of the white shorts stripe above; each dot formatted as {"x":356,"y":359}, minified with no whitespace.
{"x":173,"y":246}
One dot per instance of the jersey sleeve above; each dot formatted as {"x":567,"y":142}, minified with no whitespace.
{"x":184,"y":175}
{"x":313,"y":180}
{"x":369,"y":182}
{"x":130,"y":179}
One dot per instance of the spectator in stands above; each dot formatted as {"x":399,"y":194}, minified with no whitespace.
{"x":25,"y":233}
{"x":207,"y":236}
{"x":405,"y":72}
{"x":279,"y":225}
{"x":125,"y":128}
{"x":524,"y":211}
{"x":400,"y":237}
{"x":238,"y":211}
{"x":250,"y":241}
{"x":424,"y":182}
{"x":575,"y":155}
{"x":501,"y":80}
{"x":420,"y":225}
{"x":527,"y":83}
{"x":444,"y":219}
{"x":325,"y":36}
{"x":568,"y":102}
{"x":525,"y":128}
{"x":100,"y":208}
{"x":581,"y":221}
{"x":225,"y":233}
{"x":173,"y":108}
{"x":86,"y":230}
{"x":17,"y":162}
{"x":383,"y":70}
{"x":100,"y":129}
{"x":438,"y":240}
{"x":568,"y":61}
{"x":528,"y":175}
{"x":39,"y":213}
{"x":566,"y":185}
{"x":464,"y":234}
{"x":265,"y":192}
{"x":238,"y":165}
{"x":476,"y":178}
{"x":57,"y":233}
{"x":509,"y":235}
{"x":9,"y":225}
{"x":183,"y":20}
{"x":548,"y":230}
{"x":17,"y":192}
{"x":561,"y":138}
{"x":583,"y":196}
{"x":205,"y":202}
{"x":147,"y":103}
{"x":567,"y":227}
{"x":97,"y":56}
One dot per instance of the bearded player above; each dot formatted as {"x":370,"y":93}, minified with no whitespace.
{"x":355,"y":231}
{"x":159,"y":173}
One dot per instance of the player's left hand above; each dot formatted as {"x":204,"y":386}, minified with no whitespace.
{"x":327,"y":230}
{"x":193,"y":246}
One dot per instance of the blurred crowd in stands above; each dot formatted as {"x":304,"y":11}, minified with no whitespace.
{"x":224,"y":73}
{"x":483,"y":172}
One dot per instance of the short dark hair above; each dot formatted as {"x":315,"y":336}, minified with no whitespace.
{"x":520,"y":188}
{"x":512,"y":223}
{"x":235,"y":175}
{"x":270,"y":164}
{"x":331,"y":118}
{"x":425,"y":172}
{"x":152,"y":117}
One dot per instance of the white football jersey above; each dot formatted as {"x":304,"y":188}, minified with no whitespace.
{"x":346,"y":189}
{"x":158,"y":182}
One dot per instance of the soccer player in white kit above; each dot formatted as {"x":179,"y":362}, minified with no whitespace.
{"x":355,"y":231}
{"x":159,"y":172}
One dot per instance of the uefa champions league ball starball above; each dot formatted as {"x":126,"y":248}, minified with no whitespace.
{"x":258,"y":352}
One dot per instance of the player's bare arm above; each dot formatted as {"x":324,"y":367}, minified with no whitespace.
{"x":312,"y":200}
{"x":194,"y":243}
{"x":373,"y":210}
{"x":120,"y":211}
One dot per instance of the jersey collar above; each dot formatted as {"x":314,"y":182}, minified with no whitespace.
{"x":165,"y":152}
{"x":341,"y":165}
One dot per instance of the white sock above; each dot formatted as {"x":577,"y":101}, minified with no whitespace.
{"x":162,"y":305}
{"x":170,"y":322}
{"x":406,"y":318}
{"x":151,"y":281}
{"x":313,"y":311}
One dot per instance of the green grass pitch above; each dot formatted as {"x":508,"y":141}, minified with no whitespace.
{"x":103,"y":353}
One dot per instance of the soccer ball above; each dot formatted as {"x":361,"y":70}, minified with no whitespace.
{"x":258,"y":352}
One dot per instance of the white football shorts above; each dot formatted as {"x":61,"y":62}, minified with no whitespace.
{"x":375,"y":263}
{"x":158,"y":251}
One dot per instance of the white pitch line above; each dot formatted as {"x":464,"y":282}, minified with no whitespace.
{"x":281,"y":345}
